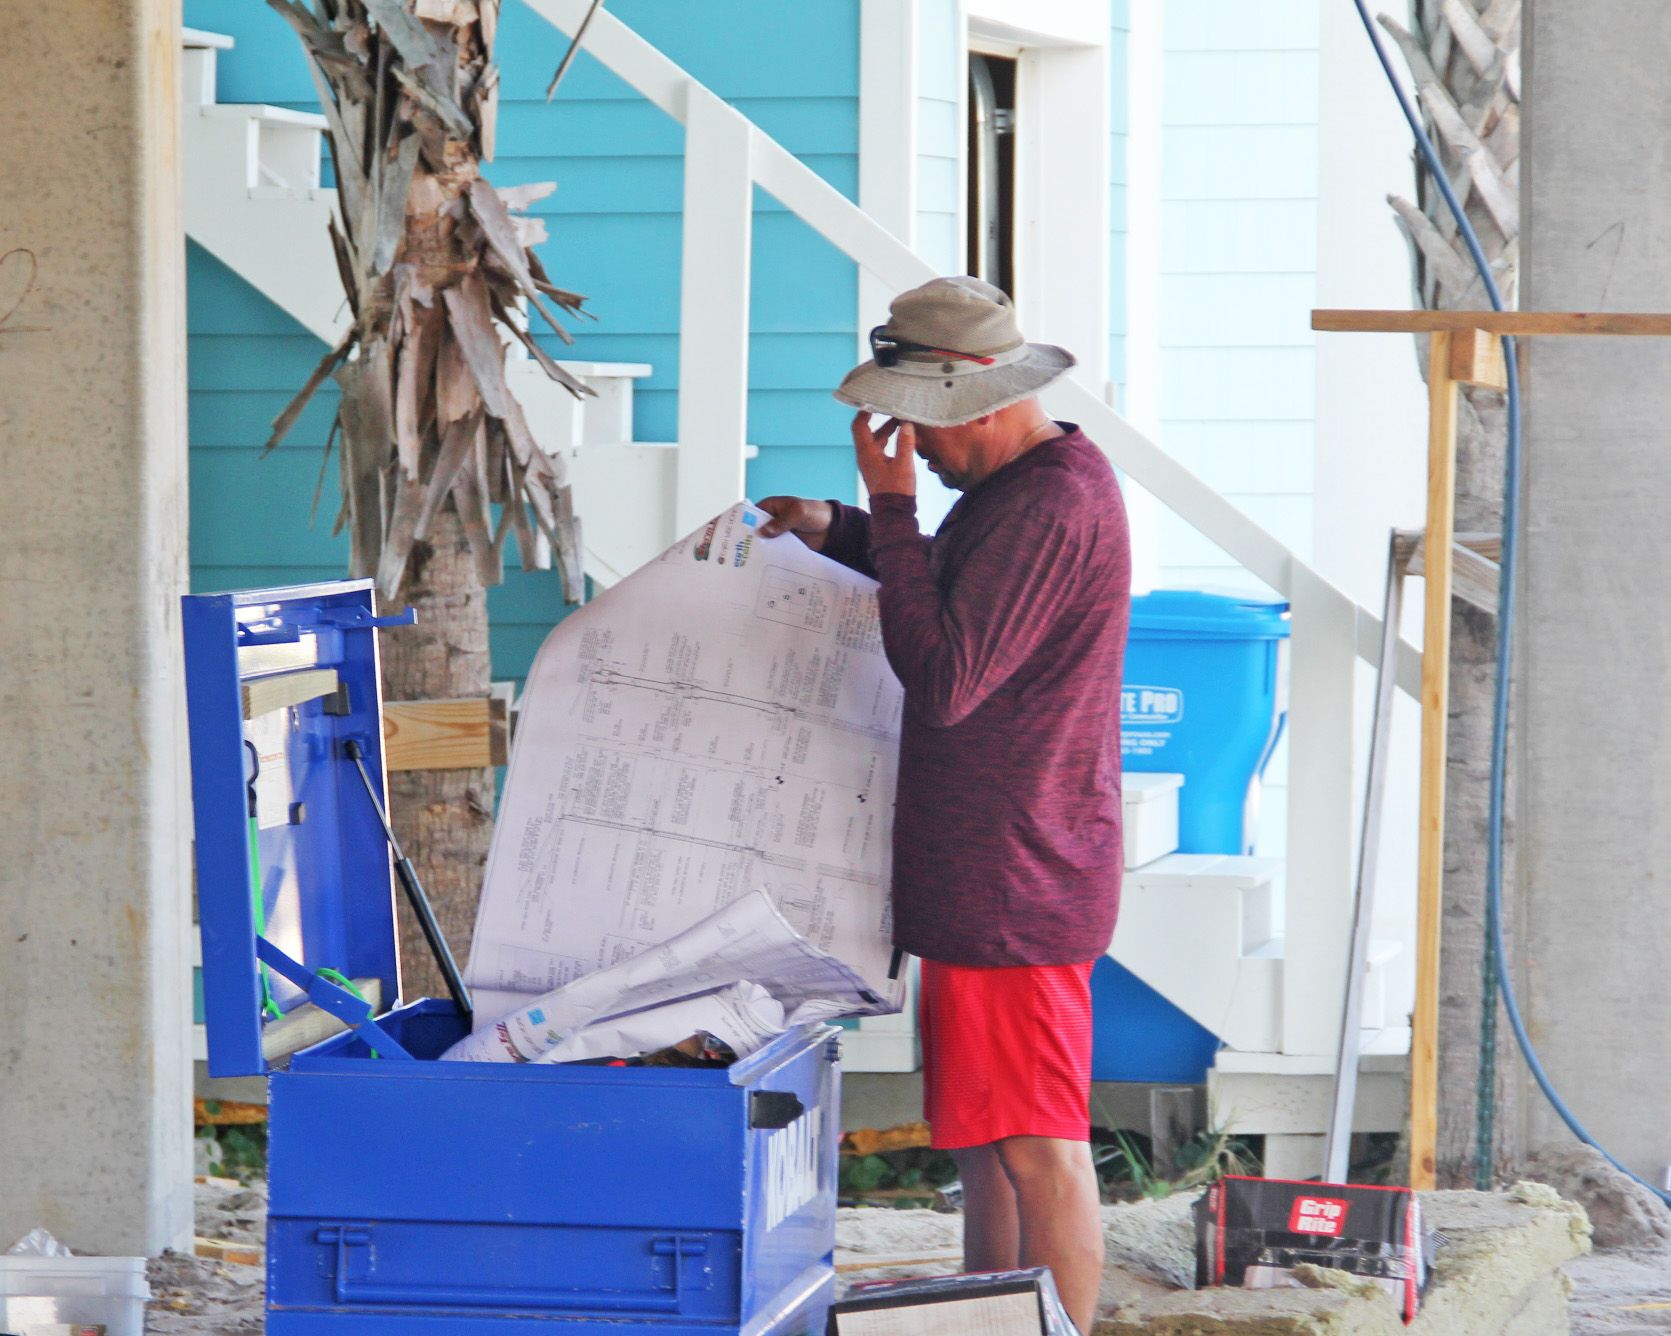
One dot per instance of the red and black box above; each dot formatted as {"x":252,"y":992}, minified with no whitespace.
{"x":1253,"y":1232}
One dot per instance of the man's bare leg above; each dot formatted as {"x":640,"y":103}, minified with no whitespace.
{"x":1059,"y":1214}
{"x":991,"y":1229}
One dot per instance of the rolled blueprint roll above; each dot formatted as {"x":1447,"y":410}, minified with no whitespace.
{"x":741,"y":974}
{"x":744,"y":1017}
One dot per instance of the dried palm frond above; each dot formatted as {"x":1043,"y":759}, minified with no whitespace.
{"x":435,"y":262}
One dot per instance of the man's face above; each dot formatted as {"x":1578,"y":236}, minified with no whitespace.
{"x":954,"y":453}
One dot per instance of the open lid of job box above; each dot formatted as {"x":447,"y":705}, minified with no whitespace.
{"x":295,"y":891}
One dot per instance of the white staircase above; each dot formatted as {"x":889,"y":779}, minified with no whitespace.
{"x":254,"y":201}
{"x":1200,"y":929}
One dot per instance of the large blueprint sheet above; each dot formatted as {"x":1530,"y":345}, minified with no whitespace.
{"x":721,"y":721}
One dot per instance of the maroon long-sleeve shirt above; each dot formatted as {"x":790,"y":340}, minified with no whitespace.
{"x":1008,"y":631}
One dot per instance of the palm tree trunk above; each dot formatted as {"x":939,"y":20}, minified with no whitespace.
{"x":1464,"y":58}
{"x":443,"y":818}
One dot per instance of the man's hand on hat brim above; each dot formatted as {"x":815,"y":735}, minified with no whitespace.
{"x":882,"y":472}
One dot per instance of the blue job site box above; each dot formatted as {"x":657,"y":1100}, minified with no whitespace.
{"x":1205,"y":696}
{"x":415,"y":1196}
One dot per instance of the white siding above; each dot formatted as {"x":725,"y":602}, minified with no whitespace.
{"x":942,"y":70}
{"x":1239,"y":186}
{"x":940,"y":136}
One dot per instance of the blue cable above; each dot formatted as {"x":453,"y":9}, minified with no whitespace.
{"x":1505,"y":628}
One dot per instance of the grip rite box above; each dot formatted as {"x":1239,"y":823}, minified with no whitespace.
{"x":1252,"y":1233}
{"x":415,"y":1197}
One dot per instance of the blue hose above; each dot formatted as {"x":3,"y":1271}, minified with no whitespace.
{"x":1505,"y":642}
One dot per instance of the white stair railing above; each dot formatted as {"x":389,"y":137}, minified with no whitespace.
{"x":724,"y":154}
{"x":714,"y":287}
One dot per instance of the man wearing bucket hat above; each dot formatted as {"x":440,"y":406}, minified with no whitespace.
{"x":1007,"y":629}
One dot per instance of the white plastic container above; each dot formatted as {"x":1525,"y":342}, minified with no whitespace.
{"x":1150,"y":808}
{"x":38,"y":1291}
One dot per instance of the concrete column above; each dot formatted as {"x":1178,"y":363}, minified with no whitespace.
{"x":1594,"y":677}
{"x":95,"y":1067}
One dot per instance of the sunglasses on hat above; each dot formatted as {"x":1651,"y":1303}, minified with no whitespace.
{"x":886,"y":349}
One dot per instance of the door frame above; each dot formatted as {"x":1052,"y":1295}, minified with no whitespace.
{"x":1064,"y":111}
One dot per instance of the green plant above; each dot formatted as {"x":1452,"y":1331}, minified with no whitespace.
{"x":243,"y":1151}
{"x":1122,"y":1161}
{"x":1211,"y":1154}
{"x":1125,"y":1161}
{"x":900,"y":1178}
{"x":863,"y":1173}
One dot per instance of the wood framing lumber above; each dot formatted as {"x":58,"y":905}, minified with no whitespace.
{"x":307,"y":1025}
{"x":938,"y":1258}
{"x":1477,"y":359}
{"x":446,"y":734}
{"x":1488,"y":546}
{"x":1474,"y":570}
{"x":1435,"y":702}
{"x":221,"y":1250}
{"x":263,"y":695}
{"x":226,"y":1113}
{"x":1644,"y":323}
{"x":874,"y":1141}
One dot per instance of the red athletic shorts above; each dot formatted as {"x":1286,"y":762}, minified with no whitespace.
{"x":1006,"y":1052}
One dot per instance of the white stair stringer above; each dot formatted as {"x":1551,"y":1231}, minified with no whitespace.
{"x":274,"y":237}
{"x":1199,"y":929}
{"x":1198,"y":937}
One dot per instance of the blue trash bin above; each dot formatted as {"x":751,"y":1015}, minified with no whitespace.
{"x":1206,"y":696}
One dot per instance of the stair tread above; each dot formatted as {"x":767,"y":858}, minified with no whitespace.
{"x":265,"y":113}
{"x":749,"y":451}
{"x":197,"y":38}
{"x":1383,"y":1050}
{"x":1209,"y":871}
{"x":1382,"y":950}
{"x":596,"y":370}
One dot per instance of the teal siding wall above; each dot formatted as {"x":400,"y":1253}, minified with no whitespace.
{"x":249,"y":515}
{"x":615,"y":235}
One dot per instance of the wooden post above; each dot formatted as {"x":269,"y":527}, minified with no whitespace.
{"x":1435,"y":703}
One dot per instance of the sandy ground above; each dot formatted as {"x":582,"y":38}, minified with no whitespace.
{"x":196,"y":1297}
{"x":1620,"y":1293}
{"x":1616,"y":1293}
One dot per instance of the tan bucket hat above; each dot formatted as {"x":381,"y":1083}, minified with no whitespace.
{"x":950,"y":352}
